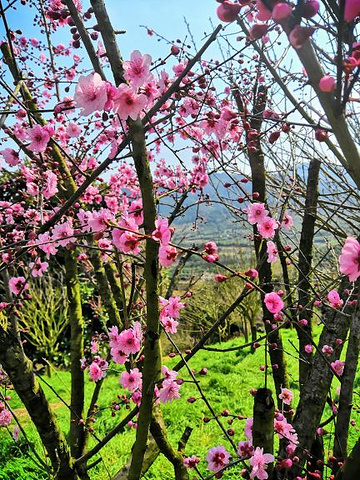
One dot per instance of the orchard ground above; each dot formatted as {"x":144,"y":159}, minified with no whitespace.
{"x":230,"y":377}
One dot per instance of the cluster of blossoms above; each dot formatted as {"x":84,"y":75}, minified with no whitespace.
{"x":170,"y":311}
{"x":5,"y":416}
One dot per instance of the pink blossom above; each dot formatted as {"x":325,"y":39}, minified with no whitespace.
{"x":73,"y":130}
{"x":18,"y":285}
{"x":132,"y":380}
{"x":273,"y":302}
{"x":299,"y":35}
{"x":350,"y":259}
{"x":5,"y":417}
{"x":168,"y":374}
{"x":128,"y":342}
{"x":90,"y":93}
{"x":338,"y":367}
{"x":63,"y":233}
{"x":267,"y":227}
{"x":334,"y":299}
{"x":38,"y":268}
{"x":127,"y":103}
{"x":167,"y":255}
{"x":308,"y":348}
{"x":169,"y":391}
{"x":256,"y":213}
{"x":287,"y":222}
{"x":248,"y":428}
{"x":327,"y":84}
{"x":46,"y":245}
{"x":50,"y":184}
{"x":170,"y":325}
{"x":286,"y":396}
{"x":118,"y":355}
{"x":100,"y":220}
{"x":39,"y":137}
{"x":10,"y":156}
{"x":16,"y":433}
{"x":126,"y":242}
{"x":217,"y":458}
{"x":245,"y":449}
{"x":272,"y":252}
{"x":137,"y":70}
{"x":258,"y":462}
{"x":352,"y":10}
{"x":97,"y":369}
{"x":327,"y":350}
{"x":171,"y":307}
{"x":191,"y":462}
{"x":162,"y":233}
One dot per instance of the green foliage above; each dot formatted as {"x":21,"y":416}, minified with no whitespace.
{"x":16,"y":462}
{"x":44,"y":318}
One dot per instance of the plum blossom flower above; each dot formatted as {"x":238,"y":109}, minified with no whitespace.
{"x":272,"y":252}
{"x":50,"y":184}
{"x":73,"y":130}
{"x":327,"y":350}
{"x":191,"y":462}
{"x":127,"y":103}
{"x":126,"y":242}
{"x":18,"y":285}
{"x":162,"y":233}
{"x":46,"y":245}
{"x":90,"y":93}
{"x":217,"y":458}
{"x":170,"y":325}
{"x":10,"y":156}
{"x":287,"y":222}
{"x":39,"y":138}
{"x":259,"y":463}
{"x":98,"y":369}
{"x":267,"y":227}
{"x":167,"y":255}
{"x":38,"y":268}
{"x":256,"y":213}
{"x":128,"y":342}
{"x":350,"y":259}
{"x":299,"y":35}
{"x":245,"y":449}
{"x":273,"y":302}
{"x":131,"y":380}
{"x":286,"y":396}
{"x":338,"y":367}
{"x":169,"y":391}
{"x":308,"y":348}
{"x":248,"y":428}
{"x":137,"y":70}
{"x":5,"y":417}
{"x":63,"y":233}
{"x":334,"y":299}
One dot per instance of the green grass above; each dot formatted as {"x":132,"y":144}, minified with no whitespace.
{"x":230,"y":377}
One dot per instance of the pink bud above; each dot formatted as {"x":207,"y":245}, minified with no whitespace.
{"x":281,"y":11}
{"x":321,"y":136}
{"x":327,"y":84}
{"x":228,"y":11}
{"x":258,"y":30}
{"x":274,"y":136}
{"x":299,"y":35}
{"x":310,"y":9}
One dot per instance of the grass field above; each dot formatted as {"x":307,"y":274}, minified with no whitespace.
{"x":230,"y":377}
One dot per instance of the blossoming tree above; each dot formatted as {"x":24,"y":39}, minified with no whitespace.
{"x":81,"y":147}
